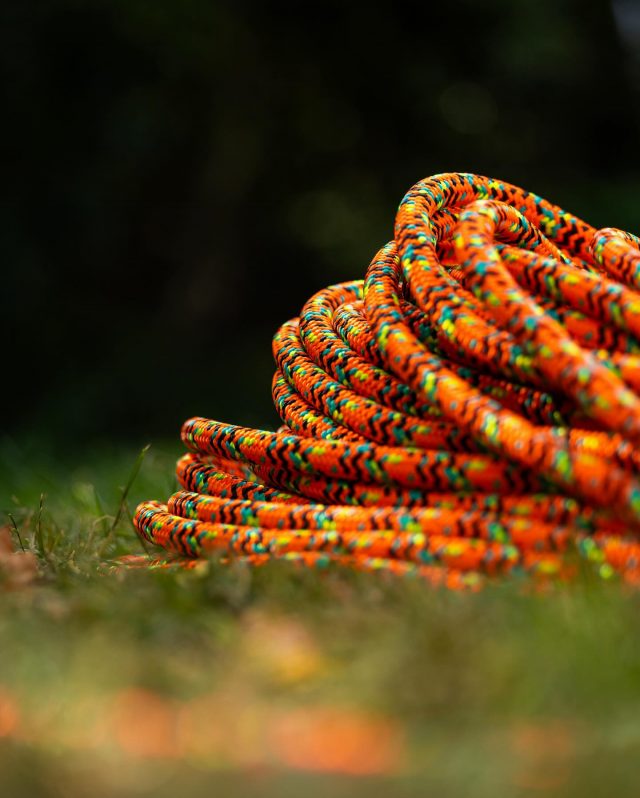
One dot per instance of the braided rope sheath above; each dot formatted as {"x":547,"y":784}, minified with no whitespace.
{"x":471,"y":407}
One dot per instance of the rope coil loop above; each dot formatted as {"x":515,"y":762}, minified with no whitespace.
{"x":471,"y":407}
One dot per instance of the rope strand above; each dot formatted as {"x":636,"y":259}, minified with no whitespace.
{"x":471,"y":407}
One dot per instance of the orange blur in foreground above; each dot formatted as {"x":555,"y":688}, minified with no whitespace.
{"x":219,"y":731}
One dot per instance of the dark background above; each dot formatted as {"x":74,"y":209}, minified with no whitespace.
{"x":180,"y":175}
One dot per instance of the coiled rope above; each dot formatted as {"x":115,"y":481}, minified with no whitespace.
{"x":471,"y":407}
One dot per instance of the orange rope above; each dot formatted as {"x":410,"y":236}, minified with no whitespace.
{"x":471,"y":407}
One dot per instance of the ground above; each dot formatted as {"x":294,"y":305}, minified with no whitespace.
{"x":276,"y":682}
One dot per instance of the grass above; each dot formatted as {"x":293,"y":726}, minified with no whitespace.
{"x":277,"y":682}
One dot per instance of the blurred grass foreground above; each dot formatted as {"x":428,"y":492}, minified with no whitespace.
{"x":231,"y":681}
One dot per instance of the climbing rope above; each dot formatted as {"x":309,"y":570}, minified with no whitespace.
{"x":471,"y":407}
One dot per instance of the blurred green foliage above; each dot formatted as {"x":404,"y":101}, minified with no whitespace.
{"x":181,"y":176}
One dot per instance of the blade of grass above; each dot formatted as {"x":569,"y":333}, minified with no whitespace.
{"x":125,"y":492}
{"x":38,"y":533}
{"x":16,"y":530}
